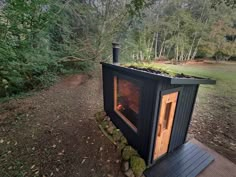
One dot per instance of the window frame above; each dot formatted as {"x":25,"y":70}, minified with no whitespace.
{"x":139,"y":84}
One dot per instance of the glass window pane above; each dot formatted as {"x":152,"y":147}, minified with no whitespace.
{"x":167,"y":115}
{"x":127,"y":100}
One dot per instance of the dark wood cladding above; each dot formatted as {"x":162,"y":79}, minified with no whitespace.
{"x":152,"y":87}
{"x":183,"y":116}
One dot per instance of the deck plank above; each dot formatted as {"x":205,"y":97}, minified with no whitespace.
{"x":181,"y":168}
{"x":185,"y":163}
{"x":201,"y":166}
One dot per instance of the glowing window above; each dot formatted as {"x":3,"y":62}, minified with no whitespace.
{"x":127,"y":100}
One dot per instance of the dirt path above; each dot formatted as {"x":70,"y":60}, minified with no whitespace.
{"x":54,"y":133}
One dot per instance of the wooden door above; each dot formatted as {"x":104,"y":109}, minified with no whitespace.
{"x":164,"y":126}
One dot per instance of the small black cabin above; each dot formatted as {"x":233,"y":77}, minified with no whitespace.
{"x":153,"y":111}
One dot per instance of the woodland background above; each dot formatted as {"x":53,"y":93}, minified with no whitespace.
{"x":42,"y":39}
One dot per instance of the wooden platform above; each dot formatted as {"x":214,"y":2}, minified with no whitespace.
{"x":189,"y":160}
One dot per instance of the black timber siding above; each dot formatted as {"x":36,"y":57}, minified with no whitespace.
{"x":107,"y":89}
{"x":139,"y":140}
{"x":163,"y":87}
{"x":183,"y":116}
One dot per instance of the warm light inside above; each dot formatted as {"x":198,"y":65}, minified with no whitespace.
{"x":127,"y":100}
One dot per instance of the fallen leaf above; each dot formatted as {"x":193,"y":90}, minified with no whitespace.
{"x":32,"y":167}
{"x":83,"y":161}
{"x":60,"y":153}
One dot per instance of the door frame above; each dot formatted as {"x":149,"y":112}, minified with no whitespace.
{"x":156,"y":118}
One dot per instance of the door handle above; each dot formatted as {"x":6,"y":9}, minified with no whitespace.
{"x":159,"y":130}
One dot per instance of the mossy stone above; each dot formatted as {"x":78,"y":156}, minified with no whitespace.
{"x":117,"y":135}
{"x":128,"y":152}
{"x":123,"y":140}
{"x":120,"y":147}
{"x":104,"y":124}
{"x":100,"y":116}
{"x":110,"y":130}
{"x":124,"y":166}
{"x":138,"y":165}
{"x":107,"y":118}
{"x":103,"y":113}
{"x":111,"y":125}
{"x":129,"y":173}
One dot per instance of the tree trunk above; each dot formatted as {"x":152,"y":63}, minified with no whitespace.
{"x":156,"y":40}
{"x":168,"y":53}
{"x":178,"y":42}
{"x":162,"y":46}
{"x":141,"y":55}
{"x":164,"y":51}
{"x":191,"y":48}
{"x":177,"y":53}
{"x":195,"y":50}
{"x":151,"y":47}
{"x":182,"y":54}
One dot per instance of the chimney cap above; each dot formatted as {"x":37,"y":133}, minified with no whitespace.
{"x":115,"y":44}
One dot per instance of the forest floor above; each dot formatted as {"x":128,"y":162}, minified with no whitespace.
{"x":54,"y":133}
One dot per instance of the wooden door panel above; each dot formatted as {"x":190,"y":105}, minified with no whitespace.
{"x":165,"y":122}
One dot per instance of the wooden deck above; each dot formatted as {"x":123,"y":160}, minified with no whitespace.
{"x":191,"y":160}
{"x":188,"y":160}
{"x":221,"y":167}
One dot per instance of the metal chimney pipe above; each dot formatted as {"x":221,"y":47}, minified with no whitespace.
{"x":116,"y":48}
